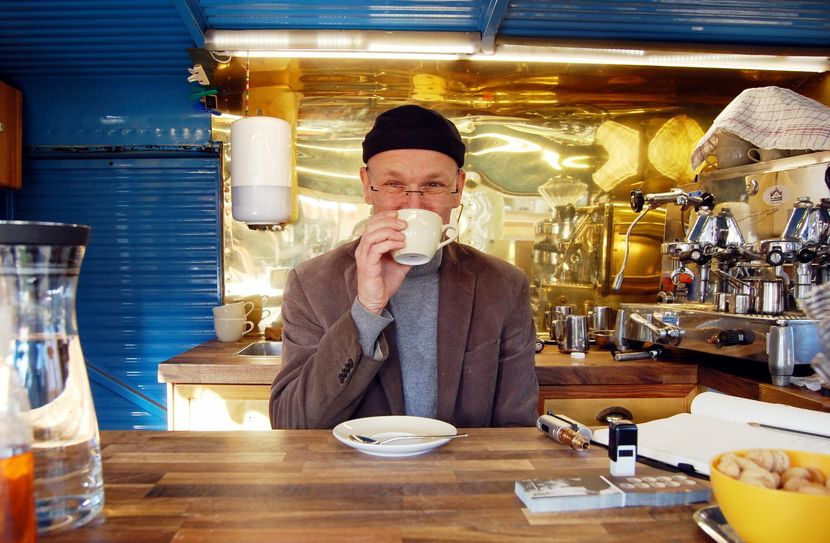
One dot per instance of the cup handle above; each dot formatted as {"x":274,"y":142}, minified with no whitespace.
{"x":248,"y":311}
{"x":754,"y":154}
{"x":451,"y":233}
{"x":248,"y":327}
{"x":265,"y":314}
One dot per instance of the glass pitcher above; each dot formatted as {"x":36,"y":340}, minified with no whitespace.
{"x":39,"y":266}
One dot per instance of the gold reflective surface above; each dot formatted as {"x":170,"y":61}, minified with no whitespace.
{"x":611,"y":129}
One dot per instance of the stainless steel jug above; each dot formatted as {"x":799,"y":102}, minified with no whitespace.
{"x":575,"y":335}
{"x":39,"y":267}
{"x":768,"y":296}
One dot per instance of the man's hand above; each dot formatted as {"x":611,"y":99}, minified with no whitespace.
{"x":378,"y":275}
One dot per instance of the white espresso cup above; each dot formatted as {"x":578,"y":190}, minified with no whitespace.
{"x":234,"y":310}
{"x":231,"y":329}
{"x":424,"y":230}
{"x":730,"y":151}
{"x":257,"y":313}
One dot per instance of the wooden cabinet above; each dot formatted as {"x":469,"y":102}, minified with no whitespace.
{"x":245,"y":407}
{"x":583,"y":389}
{"x":645,"y":402}
{"x":217,"y":407}
{"x":11,"y":137}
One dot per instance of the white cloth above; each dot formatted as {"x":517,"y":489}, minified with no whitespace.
{"x":770,"y":118}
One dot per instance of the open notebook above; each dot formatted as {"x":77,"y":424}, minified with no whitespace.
{"x":719,"y":423}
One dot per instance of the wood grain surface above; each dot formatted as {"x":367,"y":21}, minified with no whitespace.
{"x":303,"y":485}
{"x":216,"y":362}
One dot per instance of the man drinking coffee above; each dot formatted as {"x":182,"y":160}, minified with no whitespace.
{"x":365,"y":335}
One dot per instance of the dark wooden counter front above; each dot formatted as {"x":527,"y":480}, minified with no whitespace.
{"x":303,"y":485}
{"x":217,"y":362}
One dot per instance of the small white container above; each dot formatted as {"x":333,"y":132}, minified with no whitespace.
{"x":261,"y":170}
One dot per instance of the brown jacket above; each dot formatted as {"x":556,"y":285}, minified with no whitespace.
{"x":485,"y":346}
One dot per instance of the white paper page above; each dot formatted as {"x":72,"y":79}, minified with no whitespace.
{"x":695,"y":439}
{"x":723,"y":406}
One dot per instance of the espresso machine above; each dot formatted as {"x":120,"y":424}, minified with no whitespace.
{"x":743,"y":248}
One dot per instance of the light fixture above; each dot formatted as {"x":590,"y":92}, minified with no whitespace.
{"x":374,"y":44}
{"x":656,"y":57}
{"x":342,"y":43}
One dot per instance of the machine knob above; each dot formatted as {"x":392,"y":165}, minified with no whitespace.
{"x":775,"y":257}
{"x":699,"y":256}
{"x":707,"y":200}
{"x":733,"y":337}
{"x":806,"y":255}
{"x":637,"y":200}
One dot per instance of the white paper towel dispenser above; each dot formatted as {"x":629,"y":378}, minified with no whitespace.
{"x":261,"y":171}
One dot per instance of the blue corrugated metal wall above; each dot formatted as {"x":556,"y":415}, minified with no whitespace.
{"x":150,"y":274}
{"x":131,"y":158}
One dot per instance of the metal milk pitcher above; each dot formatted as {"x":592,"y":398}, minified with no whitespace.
{"x":39,"y":266}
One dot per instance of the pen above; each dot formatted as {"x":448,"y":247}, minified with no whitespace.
{"x":759,"y":425}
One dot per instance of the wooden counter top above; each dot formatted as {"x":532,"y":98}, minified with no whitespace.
{"x":216,"y":362}
{"x":303,"y":485}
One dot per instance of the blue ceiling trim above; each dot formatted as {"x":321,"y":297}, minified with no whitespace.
{"x":194,"y":19}
{"x":92,"y":37}
{"x":492,"y":15}
{"x":92,"y":112}
{"x":152,"y":37}
{"x":736,"y":22}
{"x":436,"y":15}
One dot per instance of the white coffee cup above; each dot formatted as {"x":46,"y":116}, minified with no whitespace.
{"x":762,"y":155}
{"x":424,"y":231}
{"x":234,"y":310}
{"x":231,"y":329}
{"x":729,"y":157}
{"x":257,"y":313}
{"x":730,"y":151}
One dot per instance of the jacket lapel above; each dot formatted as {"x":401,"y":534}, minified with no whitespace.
{"x":455,"y":308}
{"x":390,"y":374}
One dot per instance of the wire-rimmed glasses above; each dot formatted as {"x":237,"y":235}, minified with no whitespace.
{"x":430,"y":189}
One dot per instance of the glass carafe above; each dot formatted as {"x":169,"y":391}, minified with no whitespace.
{"x":39,"y":267}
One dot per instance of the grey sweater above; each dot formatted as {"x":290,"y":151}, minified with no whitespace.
{"x":414,"y":308}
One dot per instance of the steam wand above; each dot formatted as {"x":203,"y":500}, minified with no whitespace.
{"x":618,"y":279}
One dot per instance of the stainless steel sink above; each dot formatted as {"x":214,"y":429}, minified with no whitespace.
{"x":261,"y":349}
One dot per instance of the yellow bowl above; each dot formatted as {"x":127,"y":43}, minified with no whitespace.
{"x":761,"y":515}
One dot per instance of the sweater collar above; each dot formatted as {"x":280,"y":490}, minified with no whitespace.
{"x":430,"y":267}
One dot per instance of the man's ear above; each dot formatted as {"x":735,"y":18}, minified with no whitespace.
{"x":364,"y":179}
{"x":460,"y":179}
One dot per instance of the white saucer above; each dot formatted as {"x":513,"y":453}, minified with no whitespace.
{"x":391,"y":426}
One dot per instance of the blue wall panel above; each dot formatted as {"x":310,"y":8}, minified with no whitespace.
{"x":151,"y":271}
{"x":84,"y":112}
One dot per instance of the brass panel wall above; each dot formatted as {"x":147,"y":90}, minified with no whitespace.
{"x":610,"y":128}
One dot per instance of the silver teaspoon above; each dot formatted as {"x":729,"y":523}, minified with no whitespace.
{"x":372,"y":441}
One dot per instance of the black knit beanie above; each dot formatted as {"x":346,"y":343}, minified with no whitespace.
{"x":413,"y":127}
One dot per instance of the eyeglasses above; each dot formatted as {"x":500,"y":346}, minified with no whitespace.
{"x":431,"y":189}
